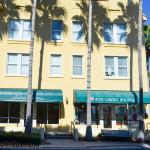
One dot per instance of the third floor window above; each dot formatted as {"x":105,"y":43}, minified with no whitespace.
{"x":56,"y":34}
{"x":115,"y":33}
{"x":20,"y":30}
{"x":77,"y":31}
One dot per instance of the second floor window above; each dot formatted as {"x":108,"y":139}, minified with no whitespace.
{"x":77,"y":65}
{"x":20,"y":30}
{"x":115,"y":33}
{"x":116,"y":67}
{"x":18,"y":64}
{"x":56,"y":65}
{"x":56,"y":31}
{"x":77,"y":31}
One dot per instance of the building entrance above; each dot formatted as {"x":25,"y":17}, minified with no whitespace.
{"x":107,"y":116}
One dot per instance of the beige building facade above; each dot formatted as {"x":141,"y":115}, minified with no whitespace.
{"x":60,"y":64}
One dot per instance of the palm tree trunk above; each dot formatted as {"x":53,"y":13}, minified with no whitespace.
{"x":88,"y":128}
{"x":141,"y":136}
{"x":29,"y":102}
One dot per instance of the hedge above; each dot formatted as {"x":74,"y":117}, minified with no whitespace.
{"x":20,"y":137}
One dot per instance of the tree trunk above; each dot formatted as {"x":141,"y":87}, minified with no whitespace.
{"x":141,"y":136}
{"x":88,"y":128}
{"x":29,"y":102}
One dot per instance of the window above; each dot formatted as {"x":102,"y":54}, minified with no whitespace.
{"x":116,"y":67}
{"x":48,"y":113}
{"x":77,"y":65}
{"x":18,"y":64}
{"x":77,"y":32}
{"x":20,"y":29}
{"x":115,"y":33}
{"x":121,"y":115}
{"x":56,"y":65}
{"x":81,"y":115}
{"x":56,"y":31}
{"x":9,"y":112}
{"x":126,"y":116}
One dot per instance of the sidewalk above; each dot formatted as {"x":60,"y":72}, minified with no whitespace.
{"x":70,"y":143}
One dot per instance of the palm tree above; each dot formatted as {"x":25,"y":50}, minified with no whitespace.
{"x":29,"y":102}
{"x":88,"y":128}
{"x":141,"y":136}
{"x":92,"y":25}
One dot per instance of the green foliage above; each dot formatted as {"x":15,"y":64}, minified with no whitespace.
{"x":147,"y":36}
{"x":20,"y":137}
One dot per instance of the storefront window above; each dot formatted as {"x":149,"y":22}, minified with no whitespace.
{"x":121,"y":115}
{"x":127,"y":116}
{"x":47,"y":113}
{"x":42,"y":113}
{"x":9,"y":112}
{"x":133,"y":114}
{"x":53,"y":113}
{"x":4,"y":112}
{"x":80,"y":113}
{"x":14,"y":112}
{"x":107,"y":115}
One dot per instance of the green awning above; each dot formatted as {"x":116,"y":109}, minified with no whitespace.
{"x":48,"y":96}
{"x":115,"y":97}
{"x":21,"y":95}
{"x":13,"y":95}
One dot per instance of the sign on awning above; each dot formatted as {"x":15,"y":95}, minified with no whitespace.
{"x":21,"y":95}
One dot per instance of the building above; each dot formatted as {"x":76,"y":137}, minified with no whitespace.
{"x":60,"y":64}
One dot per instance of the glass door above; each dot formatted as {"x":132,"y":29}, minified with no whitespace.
{"x":107,"y":116}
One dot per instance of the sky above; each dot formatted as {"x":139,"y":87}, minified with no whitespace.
{"x":146,"y":10}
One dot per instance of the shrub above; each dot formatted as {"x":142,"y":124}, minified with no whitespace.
{"x":20,"y":137}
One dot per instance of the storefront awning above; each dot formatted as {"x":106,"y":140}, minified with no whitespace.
{"x":116,"y":97}
{"x":13,"y":95}
{"x":48,"y":96}
{"x":21,"y":95}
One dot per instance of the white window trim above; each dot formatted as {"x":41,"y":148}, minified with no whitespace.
{"x":20,"y":31}
{"x":82,"y":41}
{"x":114,"y":26}
{"x":18,"y":67}
{"x":116,"y":69}
{"x":57,"y":30}
{"x":57,"y":76}
{"x":78,"y":76}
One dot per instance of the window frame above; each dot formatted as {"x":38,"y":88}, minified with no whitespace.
{"x":47,"y":110}
{"x":116,"y":66}
{"x":8,"y":114}
{"x":61,"y":67}
{"x":127,"y":109}
{"x":19,"y":64}
{"x":78,"y":76}
{"x":114,"y":33}
{"x":82,"y":41}
{"x":20,"y":30}
{"x":57,"y":30}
